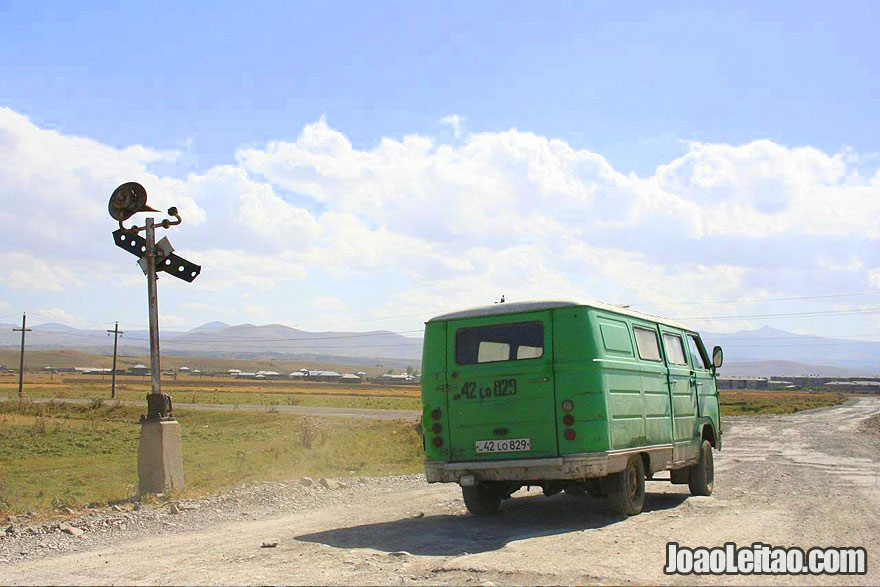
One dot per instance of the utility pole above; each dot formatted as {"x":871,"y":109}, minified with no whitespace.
{"x":23,"y":329}
{"x":116,"y":334}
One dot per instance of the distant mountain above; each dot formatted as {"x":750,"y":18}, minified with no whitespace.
{"x":280,"y":339}
{"x":218,"y":339}
{"x":765,"y":351}
{"x":783,"y":368}
{"x":53,"y":326}
{"x":209,"y":327}
{"x":771,"y":344}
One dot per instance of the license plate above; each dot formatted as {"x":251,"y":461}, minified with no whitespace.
{"x":506,"y":445}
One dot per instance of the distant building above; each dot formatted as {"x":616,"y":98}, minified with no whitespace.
{"x":184,"y":370}
{"x":862,"y":386}
{"x":743,"y":383}
{"x":349,"y":378}
{"x":390,"y":379}
{"x":320,"y":375}
{"x":139,"y":370}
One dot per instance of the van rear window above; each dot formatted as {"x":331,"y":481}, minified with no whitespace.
{"x":499,"y":342}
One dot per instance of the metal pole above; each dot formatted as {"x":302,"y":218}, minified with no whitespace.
{"x":23,"y":329}
{"x":153,"y":301}
{"x":116,"y":334}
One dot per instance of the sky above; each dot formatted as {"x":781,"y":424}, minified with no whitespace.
{"x":356,"y":166}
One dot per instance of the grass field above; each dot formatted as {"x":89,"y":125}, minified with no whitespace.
{"x":57,"y":455}
{"x":752,"y":403}
{"x":208,"y":394}
{"x":238,"y":392}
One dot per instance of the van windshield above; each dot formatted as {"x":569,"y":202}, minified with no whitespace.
{"x":499,"y":342}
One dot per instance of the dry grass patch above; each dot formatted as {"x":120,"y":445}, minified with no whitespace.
{"x":61,"y":455}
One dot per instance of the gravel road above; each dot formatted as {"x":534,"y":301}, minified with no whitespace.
{"x":369,"y":414}
{"x":809,"y":479}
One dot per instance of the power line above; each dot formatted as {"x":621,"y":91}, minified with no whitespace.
{"x":789,"y":314}
{"x":757,"y":300}
{"x":401,"y":316}
{"x":251,"y":340}
{"x":817,"y":344}
{"x":802,"y":336}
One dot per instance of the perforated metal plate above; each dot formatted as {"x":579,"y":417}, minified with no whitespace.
{"x":172,"y":264}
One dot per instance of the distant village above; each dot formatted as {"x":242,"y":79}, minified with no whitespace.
{"x":303,"y":375}
{"x":798,"y":382}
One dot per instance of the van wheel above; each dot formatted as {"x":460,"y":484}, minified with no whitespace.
{"x":481,"y":499}
{"x":702,"y":479}
{"x":626,"y":489}
{"x":575,"y":489}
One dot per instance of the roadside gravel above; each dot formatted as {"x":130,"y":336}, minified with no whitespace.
{"x":22,"y":538}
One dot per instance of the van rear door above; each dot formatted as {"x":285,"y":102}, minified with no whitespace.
{"x":501,"y":401}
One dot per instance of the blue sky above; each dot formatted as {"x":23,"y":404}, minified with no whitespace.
{"x":706,"y":155}
{"x":625,"y":80}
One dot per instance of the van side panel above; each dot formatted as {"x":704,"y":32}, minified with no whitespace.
{"x":684,"y":400}
{"x":620,"y":381}
{"x":658,"y":405}
{"x":434,"y":390}
{"x":580,"y":379}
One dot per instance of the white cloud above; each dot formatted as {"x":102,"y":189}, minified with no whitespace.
{"x":509,"y":212}
{"x":330,"y":303}
{"x":59,"y":315}
{"x":20,"y":271}
{"x":455,"y":122}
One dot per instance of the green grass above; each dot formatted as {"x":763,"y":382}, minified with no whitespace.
{"x":56,"y":455}
{"x":181,"y":395}
{"x":752,"y":403}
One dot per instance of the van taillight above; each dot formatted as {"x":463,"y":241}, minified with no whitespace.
{"x":436,"y":414}
{"x":437,"y":428}
{"x":569,"y":434}
{"x":568,"y":419}
{"x":438,"y":442}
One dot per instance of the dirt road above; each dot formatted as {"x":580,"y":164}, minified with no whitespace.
{"x":809,"y":479}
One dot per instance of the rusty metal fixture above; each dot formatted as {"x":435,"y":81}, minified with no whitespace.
{"x":159,"y":406}
{"x":127,"y":200}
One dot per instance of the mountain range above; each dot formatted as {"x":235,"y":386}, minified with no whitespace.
{"x":765,"y":351}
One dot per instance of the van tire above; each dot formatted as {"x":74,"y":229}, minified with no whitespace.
{"x":702,"y":480}
{"x":575,"y":490}
{"x":481,"y":499}
{"x":626,"y":489}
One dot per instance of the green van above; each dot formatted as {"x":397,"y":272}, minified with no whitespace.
{"x":575,"y":397}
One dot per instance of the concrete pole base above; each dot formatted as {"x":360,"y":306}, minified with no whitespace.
{"x":160,"y":460}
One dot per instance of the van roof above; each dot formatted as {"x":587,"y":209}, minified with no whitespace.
{"x":537,"y":305}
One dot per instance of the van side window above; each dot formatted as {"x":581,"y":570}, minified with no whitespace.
{"x":500,"y":342}
{"x":646,"y":341}
{"x":674,"y":349}
{"x":615,"y":337}
{"x":697,"y":355}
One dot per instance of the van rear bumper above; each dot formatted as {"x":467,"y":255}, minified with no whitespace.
{"x":575,"y":466}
